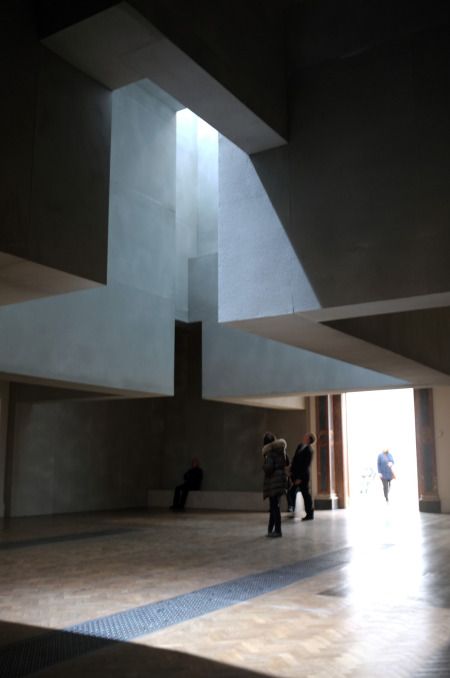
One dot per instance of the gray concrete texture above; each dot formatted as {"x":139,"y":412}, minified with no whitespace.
{"x":121,"y":44}
{"x":196,"y":208}
{"x":205,"y":32}
{"x":360,"y":191}
{"x":226,"y":438}
{"x":84,"y":456}
{"x":119,"y":337}
{"x":369,"y":172}
{"x":354,"y":210}
{"x":186,"y":207}
{"x":207,"y":188}
{"x":259,"y":272}
{"x":394,"y":331}
{"x":203,"y":288}
{"x":4,"y":402}
{"x":237,"y":363}
{"x":54,"y":162}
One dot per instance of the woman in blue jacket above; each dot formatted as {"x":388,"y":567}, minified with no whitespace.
{"x":385,"y":471}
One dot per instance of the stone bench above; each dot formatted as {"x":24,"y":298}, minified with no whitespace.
{"x":217,"y":500}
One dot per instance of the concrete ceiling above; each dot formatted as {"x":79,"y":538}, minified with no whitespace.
{"x":405,"y":338}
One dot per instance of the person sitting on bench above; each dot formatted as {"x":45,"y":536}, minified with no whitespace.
{"x":192,"y":481}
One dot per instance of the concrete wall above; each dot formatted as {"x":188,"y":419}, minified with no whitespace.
{"x":119,"y":337}
{"x":236,"y":363}
{"x":93,"y":455}
{"x":196,"y":212}
{"x":369,"y":169}
{"x":54,"y":163}
{"x":441,"y":401}
{"x":185,"y":49}
{"x":186,"y":207}
{"x":342,"y":208}
{"x":4,"y":401}
{"x":259,"y":271}
{"x":226,"y":438}
{"x":421,"y":335}
{"x":83,"y":456}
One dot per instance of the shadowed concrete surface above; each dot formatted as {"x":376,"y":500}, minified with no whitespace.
{"x":54,"y":168}
{"x":98,"y":657}
{"x":185,"y":51}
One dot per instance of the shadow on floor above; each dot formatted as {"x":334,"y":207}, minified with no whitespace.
{"x":436,"y":666}
{"x":27,"y":649}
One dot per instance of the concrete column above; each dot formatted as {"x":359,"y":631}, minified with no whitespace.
{"x":8,"y":426}
{"x":4,"y":399}
{"x":340,"y":453}
{"x":326,"y":497}
{"x":429,"y":501}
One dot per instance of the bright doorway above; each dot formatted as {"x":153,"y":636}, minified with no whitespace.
{"x":377,"y":420}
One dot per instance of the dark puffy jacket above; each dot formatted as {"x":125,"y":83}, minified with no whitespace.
{"x":274,"y":467}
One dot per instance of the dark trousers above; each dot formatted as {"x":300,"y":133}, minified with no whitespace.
{"x":274,"y":515}
{"x":180,"y":495}
{"x":386,"y":487}
{"x":307,"y":499}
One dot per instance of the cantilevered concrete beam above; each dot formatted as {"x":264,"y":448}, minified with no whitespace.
{"x":240,"y":91}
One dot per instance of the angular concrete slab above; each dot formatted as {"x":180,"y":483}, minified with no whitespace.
{"x":119,"y":46}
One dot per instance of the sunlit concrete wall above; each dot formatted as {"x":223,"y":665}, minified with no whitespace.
{"x":441,"y":400}
{"x":196,"y":211}
{"x":237,"y":363}
{"x":119,"y":337}
{"x":259,"y":272}
{"x":260,"y":275}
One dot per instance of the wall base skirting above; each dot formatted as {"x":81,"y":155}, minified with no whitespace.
{"x":430,"y":505}
{"x":213,"y":500}
{"x":326,"y":503}
{"x":228,"y":500}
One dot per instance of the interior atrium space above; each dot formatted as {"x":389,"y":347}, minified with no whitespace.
{"x":224,"y":339}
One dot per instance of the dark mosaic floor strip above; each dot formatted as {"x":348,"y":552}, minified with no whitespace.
{"x":73,"y":536}
{"x":25,"y":657}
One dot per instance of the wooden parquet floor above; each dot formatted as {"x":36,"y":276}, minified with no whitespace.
{"x":384,"y":612}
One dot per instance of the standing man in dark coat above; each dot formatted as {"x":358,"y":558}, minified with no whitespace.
{"x":300,"y":476}
{"x":192,"y":481}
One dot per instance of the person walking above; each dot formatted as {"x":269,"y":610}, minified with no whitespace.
{"x":192,"y":481}
{"x":300,"y":476}
{"x":385,"y":465}
{"x":275,"y":461}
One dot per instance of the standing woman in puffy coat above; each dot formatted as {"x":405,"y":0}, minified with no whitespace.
{"x":275,"y":479}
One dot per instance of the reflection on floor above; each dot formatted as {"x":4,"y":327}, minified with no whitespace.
{"x":352,"y":593}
